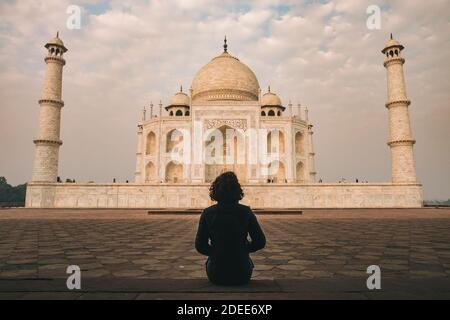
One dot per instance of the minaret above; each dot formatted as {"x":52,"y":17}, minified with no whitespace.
{"x":45,"y":168}
{"x":400,"y":140}
{"x":138,"y":173}
{"x":311,"y":153}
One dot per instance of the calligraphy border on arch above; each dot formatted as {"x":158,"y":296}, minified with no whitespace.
{"x":233,"y":123}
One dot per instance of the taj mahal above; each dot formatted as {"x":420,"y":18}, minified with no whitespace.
{"x":224,"y":121}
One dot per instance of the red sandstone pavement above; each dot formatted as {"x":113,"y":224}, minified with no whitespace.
{"x":130,"y":254}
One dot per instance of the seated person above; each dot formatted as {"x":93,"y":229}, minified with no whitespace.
{"x":223,"y":232}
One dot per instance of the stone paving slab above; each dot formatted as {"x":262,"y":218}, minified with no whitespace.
{"x":133,"y":247}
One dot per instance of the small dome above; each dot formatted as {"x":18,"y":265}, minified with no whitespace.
{"x":179,"y":99}
{"x":270,"y":99}
{"x":390,"y":44}
{"x":56,"y":41}
{"x":225,"y":78}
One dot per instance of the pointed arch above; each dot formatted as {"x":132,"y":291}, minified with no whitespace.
{"x":225,"y":151}
{"x":274,"y":146}
{"x":174,"y":141}
{"x":151,"y":143}
{"x":174,"y":172}
{"x":299,"y":143}
{"x":300,"y":172}
{"x":276,"y":171}
{"x":150,"y":172}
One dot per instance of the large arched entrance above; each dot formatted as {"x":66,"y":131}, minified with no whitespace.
{"x":225,"y":151}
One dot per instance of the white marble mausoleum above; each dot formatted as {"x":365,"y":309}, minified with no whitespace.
{"x":223,"y":122}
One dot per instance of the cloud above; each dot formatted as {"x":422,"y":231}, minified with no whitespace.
{"x":319,"y":54}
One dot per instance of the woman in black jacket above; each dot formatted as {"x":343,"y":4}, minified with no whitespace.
{"x":223,"y":231}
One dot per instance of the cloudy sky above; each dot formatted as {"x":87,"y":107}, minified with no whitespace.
{"x":318,"y":53}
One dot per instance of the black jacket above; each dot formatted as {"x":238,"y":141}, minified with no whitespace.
{"x":227,"y":226}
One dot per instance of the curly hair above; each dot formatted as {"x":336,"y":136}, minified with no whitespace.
{"x":226,"y":188}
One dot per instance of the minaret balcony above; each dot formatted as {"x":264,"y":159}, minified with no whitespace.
{"x":403,"y":142}
{"x":396,"y":103}
{"x":56,"y":103}
{"x":56,"y":59}
{"x":391,"y":61}
{"x":48,"y":142}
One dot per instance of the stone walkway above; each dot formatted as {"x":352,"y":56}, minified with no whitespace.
{"x":132,"y":247}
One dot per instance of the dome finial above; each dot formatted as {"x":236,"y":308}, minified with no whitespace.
{"x":268,"y":89}
{"x":57,"y":34}
{"x":391,"y":36}
{"x":181,"y":88}
{"x":225,"y":46}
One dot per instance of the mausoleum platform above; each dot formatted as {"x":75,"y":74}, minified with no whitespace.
{"x":196,"y":196}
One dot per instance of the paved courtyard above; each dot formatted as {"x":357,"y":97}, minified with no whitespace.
{"x":132,"y":254}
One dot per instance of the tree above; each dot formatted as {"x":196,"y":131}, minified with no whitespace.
{"x":10,"y":194}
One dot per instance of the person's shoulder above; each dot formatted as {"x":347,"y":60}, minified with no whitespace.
{"x":209,"y":209}
{"x":244,"y":208}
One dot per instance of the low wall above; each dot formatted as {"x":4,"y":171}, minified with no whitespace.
{"x":316,"y":195}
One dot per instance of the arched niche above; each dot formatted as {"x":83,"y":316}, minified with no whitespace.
{"x":299,"y":143}
{"x":151,"y":143}
{"x":174,"y":172}
{"x":150,"y":172}
{"x":275,"y":145}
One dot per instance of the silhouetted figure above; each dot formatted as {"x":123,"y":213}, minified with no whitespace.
{"x":320,"y":180}
{"x":356,"y":180}
{"x":114,"y":180}
{"x":223,"y":231}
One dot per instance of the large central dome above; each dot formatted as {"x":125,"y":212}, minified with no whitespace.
{"x":225,"y":78}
